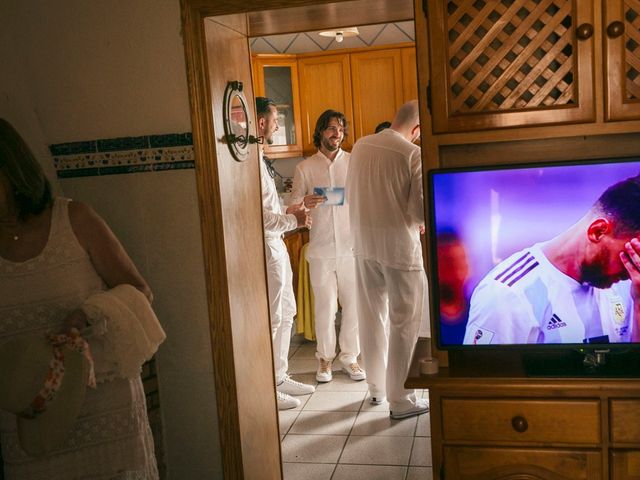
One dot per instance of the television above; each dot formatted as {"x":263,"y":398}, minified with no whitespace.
{"x":517,"y":264}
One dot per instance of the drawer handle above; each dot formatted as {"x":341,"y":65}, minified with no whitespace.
{"x":519,"y":424}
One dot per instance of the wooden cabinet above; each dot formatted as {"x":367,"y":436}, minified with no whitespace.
{"x":511,"y":64}
{"x":378,"y":89}
{"x":506,"y":64}
{"x":325,"y":82}
{"x":621,"y":34}
{"x":294,"y":241}
{"x":276,"y":77}
{"x":512,"y":426}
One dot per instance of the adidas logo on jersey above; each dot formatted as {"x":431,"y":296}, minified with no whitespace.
{"x":555,"y":322}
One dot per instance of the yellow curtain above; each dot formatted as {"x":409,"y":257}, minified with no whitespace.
{"x":305,"y":323}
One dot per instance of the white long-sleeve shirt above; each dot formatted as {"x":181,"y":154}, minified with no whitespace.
{"x":384,"y":192}
{"x":330,"y":236}
{"x":275,"y":220}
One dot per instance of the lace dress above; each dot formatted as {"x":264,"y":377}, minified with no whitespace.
{"x":111,"y":438}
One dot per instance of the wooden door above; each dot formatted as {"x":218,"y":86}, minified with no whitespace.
{"x":510,"y":63}
{"x":377,"y":88}
{"x":240,"y":315}
{"x":621,"y":34}
{"x":276,"y":77}
{"x":325,"y":83}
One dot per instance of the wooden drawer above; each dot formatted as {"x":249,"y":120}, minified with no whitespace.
{"x":520,"y":421}
{"x":625,"y":465}
{"x":474,"y":463}
{"x":625,"y":420}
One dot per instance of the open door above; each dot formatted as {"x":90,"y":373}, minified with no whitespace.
{"x":231,"y":211}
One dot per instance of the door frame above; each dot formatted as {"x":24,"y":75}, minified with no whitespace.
{"x":234,"y":447}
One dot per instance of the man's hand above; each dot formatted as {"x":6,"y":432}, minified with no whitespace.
{"x":312,"y":201}
{"x":302,"y":215}
{"x":630,"y":258}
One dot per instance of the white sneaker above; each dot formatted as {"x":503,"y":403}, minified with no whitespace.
{"x":355,"y":372}
{"x":421,"y":406}
{"x":286,"y":402}
{"x":293,"y":387}
{"x":377,"y":400}
{"x":324,"y":373}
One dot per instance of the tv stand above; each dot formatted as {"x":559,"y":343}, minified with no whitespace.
{"x":493,"y":419}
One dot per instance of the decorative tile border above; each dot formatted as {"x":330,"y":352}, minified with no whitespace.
{"x":149,"y":153}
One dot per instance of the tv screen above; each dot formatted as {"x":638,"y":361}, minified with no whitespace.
{"x":534,"y":255}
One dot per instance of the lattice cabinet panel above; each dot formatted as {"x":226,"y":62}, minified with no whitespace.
{"x":622,"y":49}
{"x":507,"y":63}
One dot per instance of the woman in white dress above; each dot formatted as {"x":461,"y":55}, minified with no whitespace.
{"x":54,"y":254}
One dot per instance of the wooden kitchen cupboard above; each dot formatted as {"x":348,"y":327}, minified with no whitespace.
{"x":367,"y":85}
{"x":513,"y":63}
{"x":325,"y":82}
{"x":276,"y":77}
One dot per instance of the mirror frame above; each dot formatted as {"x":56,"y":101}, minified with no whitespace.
{"x":238,"y":144}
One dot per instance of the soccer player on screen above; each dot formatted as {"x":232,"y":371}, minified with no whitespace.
{"x":582,"y":286}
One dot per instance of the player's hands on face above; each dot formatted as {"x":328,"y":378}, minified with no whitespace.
{"x":312,"y":201}
{"x":630,"y":258}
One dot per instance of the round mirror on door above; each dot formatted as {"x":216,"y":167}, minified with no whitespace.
{"x":236,"y":121}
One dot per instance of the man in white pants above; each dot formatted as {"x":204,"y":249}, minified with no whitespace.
{"x":330,"y":253}
{"x":279,"y":276}
{"x":384,"y":191}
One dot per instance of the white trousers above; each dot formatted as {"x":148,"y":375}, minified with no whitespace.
{"x":333,"y":280}
{"x":390,"y":309}
{"x":282,"y":303}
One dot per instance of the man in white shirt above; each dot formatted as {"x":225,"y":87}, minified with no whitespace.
{"x":279,"y":276}
{"x":330,"y":253}
{"x":582,"y":286}
{"x":384,"y":192}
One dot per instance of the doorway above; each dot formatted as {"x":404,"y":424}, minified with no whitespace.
{"x":230,"y":211}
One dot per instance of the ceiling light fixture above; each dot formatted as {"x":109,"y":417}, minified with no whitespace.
{"x":341,"y":34}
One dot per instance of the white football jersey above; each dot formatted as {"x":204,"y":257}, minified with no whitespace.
{"x":525,"y":299}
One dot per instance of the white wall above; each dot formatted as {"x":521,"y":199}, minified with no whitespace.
{"x":75,"y":70}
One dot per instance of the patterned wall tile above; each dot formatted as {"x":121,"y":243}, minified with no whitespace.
{"x":123,"y":155}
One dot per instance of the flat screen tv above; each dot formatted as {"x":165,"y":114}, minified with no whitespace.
{"x":529,"y":256}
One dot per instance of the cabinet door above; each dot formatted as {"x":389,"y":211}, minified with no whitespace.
{"x":409,"y":74}
{"x":510,"y":63}
{"x":325,"y":83}
{"x":277,"y":78}
{"x":377,"y":88}
{"x":473,"y":463}
{"x":621,"y":33}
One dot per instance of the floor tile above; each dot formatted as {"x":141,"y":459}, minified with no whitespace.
{"x":305,"y":352}
{"x":424,"y":425}
{"x":368,"y":407}
{"x":380,"y":423}
{"x":377,"y":450}
{"x":324,"y":423}
{"x":335,"y":401}
{"x":286,"y":419}
{"x":369,"y":472}
{"x":421,"y":453}
{"x":307,"y":471}
{"x":420,"y":473}
{"x":312,"y":448}
{"x":303,"y":365}
{"x":342,"y":383}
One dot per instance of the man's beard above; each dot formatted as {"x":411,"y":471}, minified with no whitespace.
{"x":330,"y":146}
{"x":592,"y":274}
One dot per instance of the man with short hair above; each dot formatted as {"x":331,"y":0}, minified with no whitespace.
{"x":384,"y":191}
{"x":582,"y":286}
{"x":279,"y":276}
{"x":330,"y":253}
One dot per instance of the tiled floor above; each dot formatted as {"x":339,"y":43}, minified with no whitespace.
{"x":337,"y":435}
